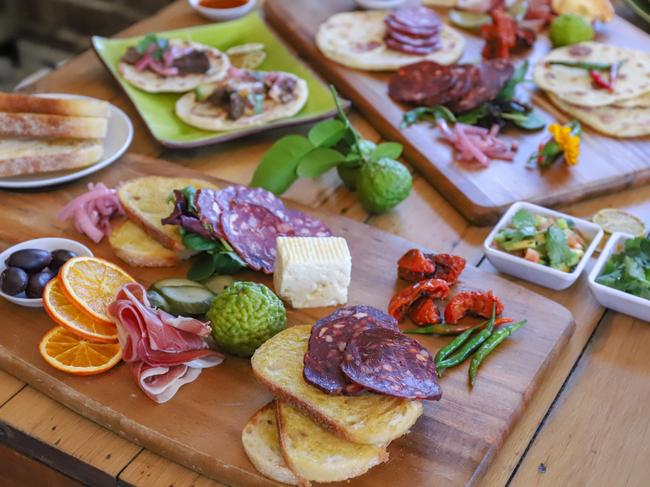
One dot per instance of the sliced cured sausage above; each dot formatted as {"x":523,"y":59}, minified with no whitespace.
{"x":389,"y":362}
{"x":407,"y":48}
{"x":327,"y":343}
{"x":422,"y":82}
{"x":304,"y":225}
{"x":392,"y":24}
{"x":209,"y":211}
{"x":432,"y":42}
{"x":492,"y":76}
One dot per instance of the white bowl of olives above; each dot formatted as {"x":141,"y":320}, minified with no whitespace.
{"x":27,"y":267}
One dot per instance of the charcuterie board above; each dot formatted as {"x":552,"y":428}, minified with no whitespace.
{"x":481,"y":195}
{"x":451,"y":444}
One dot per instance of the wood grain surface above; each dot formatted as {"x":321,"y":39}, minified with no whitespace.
{"x":481,"y":195}
{"x":201,"y":426}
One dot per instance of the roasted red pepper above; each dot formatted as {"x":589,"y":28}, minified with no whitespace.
{"x":425,"y":312}
{"x":500,"y":36}
{"x":474,"y":302}
{"x":402,"y":301}
{"x":414,"y":266}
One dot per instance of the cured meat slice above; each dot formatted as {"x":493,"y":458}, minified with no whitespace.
{"x":491,"y":77}
{"x":329,"y":337}
{"x":407,"y":48}
{"x":389,"y":362}
{"x":393,"y":25}
{"x":467,"y":82}
{"x":417,"y":17}
{"x":251,"y":230}
{"x":422,"y":82}
{"x":209,"y":211}
{"x":432,"y":42}
{"x":304,"y":225}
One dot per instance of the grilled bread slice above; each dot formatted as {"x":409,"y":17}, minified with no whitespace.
{"x":146,"y":202}
{"x":262,"y":445}
{"x":131,"y":244}
{"x":369,"y":419}
{"x":31,"y":156}
{"x":19,"y":102}
{"x":39,"y":125}
{"x":315,"y":454}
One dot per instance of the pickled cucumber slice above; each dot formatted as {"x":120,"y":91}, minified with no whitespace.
{"x":217,"y":283}
{"x":187,"y":300}
{"x":175,"y":282}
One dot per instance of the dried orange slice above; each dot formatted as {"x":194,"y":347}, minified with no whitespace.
{"x":91,"y":284}
{"x":70,"y":353}
{"x":64,"y":313}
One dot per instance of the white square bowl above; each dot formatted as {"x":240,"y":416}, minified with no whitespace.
{"x":613,"y":298}
{"x":538,"y":273}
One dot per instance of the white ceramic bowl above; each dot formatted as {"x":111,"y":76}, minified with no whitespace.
{"x":537,"y":273}
{"x":49,"y":244}
{"x":613,"y":298}
{"x":379,"y":4}
{"x":222,"y":13}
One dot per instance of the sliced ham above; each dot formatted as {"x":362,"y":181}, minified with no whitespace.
{"x":165,"y":351}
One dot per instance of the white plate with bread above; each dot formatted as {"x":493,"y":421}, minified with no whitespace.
{"x":54,"y":138}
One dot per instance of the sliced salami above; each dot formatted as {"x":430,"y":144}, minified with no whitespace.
{"x":389,"y":362}
{"x":416,"y":17}
{"x":407,"y":48}
{"x":306,"y":226}
{"x":432,"y":42}
{"x":252,"y":230}
{"x":329,"y":337}
{"x":424,"y":82}
{"x":209,"y":211}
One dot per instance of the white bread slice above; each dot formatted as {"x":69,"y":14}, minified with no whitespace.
{"x":146,"y":202}
{"x":38,"y":125}
{"x":131,"y":244}
{"x":32,"y":156}
{"x":315,"y":454}
{"x":20,"y":102}
{"x":262,"y":445}
{"x":369,"y":419}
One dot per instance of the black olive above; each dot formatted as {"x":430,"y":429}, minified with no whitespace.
{"x":36,"y":284}
{"x":60,"y":257}
{"x":29,"y":260}
{"x":14,"y":280}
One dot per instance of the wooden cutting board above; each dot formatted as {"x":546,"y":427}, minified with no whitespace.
{"x":481,"y":195}
{"x":201,"y":426}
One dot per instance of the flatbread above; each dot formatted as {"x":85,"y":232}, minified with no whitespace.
{"x":356,"y":39}
{"x":207,"y":116}
{"x":574,"y":85}
{"x":642,"y":101}
{"x":153,"y":83}
{"x":610,"y":120}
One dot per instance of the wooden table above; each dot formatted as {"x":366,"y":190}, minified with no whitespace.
{"x":587,"y":425}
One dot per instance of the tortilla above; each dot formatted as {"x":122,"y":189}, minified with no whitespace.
{"x":356,"y":40}
{"x":153,"y":83}
{"x":609,"y":120}
{"x":574,"y":85}
{"x":642,"y":101}
{"x":207,"y":116}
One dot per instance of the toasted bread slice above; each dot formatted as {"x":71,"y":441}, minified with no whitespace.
{"x":31,"y":156}
{"x":369,"y":419}
{"x":39,"y":126}
{"x":19,"y":102}
{"x":146,"y":202}
{"x":262,"y":445}
{"x":315,"y":454}
{"x":131,"y":244}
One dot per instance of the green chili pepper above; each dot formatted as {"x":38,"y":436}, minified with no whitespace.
{"x":452,"y":346}
{"x":490,"y":344}
{"x":467,"y":349}
{"x":441,"y":329}
{"x":583,"y":65}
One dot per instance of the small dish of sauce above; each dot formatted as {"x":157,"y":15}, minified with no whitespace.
{"x":222,"y":9}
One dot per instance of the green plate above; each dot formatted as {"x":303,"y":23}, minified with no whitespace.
{"x":157,"y":109}
{"x":641,"y":7}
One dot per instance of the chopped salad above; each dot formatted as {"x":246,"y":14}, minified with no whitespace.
{"x":553,"y":242}
{"x":629,"y":270}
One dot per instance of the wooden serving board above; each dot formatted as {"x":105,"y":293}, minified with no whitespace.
{"x":481,"y":195}
{"x":451,"y":444}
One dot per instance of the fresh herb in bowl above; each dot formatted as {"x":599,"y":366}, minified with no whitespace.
{"x":629,"y":270}
{"x":553,"y":242}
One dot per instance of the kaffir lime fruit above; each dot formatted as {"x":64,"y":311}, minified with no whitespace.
{"x":570,"y":29}
{"x":244,"y":315}
{"x":383,"y":184}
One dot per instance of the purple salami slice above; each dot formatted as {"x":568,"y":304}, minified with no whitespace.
{"x":432,"y":42}
{"x":329,"y":337}
{"x":418,"y":17}
{"x":393,"y":25}
{"x":209,"y":211}
{"x":306,"y":226}
{"x":407,"y":48}
{"x":251,"y":230}
{"x":389,"y":362}
{"x":226,"y":196}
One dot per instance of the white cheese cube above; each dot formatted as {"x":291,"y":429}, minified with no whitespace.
{"x":312,"y":271}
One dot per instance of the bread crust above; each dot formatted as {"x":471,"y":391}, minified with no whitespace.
{"x":23,"y":103}
{"x":67,"y":158}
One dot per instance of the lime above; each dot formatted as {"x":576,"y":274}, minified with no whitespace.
{"x":570,"y":29}
{"x":245,"y":315}
{"x":382,"y":184}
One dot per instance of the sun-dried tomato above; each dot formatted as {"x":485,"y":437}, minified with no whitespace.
{"x":448,"y":267}
{"x":474,"y":302}
{"x":500,"y":36}
{"x":414,"y":266}
{"x":400,"y":303}
{"x":425,"y":312}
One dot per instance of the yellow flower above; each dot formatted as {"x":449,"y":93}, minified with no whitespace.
{"x":570,"y":144}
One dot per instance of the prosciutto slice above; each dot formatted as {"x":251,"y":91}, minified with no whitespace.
{"x":164,"y":351}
